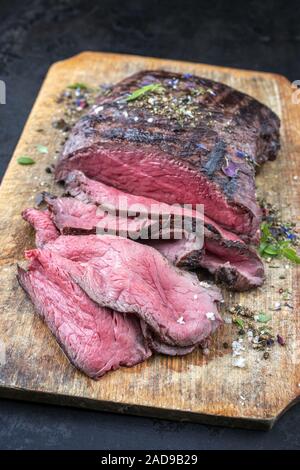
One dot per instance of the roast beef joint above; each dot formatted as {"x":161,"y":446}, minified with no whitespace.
{"x":159,"y":141}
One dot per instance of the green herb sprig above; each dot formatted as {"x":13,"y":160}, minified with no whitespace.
{"x":239,"y":322}
{"x":263,"y":317}
{"x":25,"y":160}
{"x":153,"y":87}
{"x":271,"y":247}
{"x":75,"y":86}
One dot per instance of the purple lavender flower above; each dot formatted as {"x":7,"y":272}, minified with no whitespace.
{"x":231,"y":169}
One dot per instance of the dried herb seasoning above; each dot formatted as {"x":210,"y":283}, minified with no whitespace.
{"x":278,"y":238}
{"x":254,"y":326}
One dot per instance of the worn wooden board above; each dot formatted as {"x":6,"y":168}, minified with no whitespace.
{"x":206,"y":389}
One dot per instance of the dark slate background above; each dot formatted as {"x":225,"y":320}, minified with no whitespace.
{"x":33,"y":34}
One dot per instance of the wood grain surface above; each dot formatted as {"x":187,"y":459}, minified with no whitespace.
{"x":196,"y":387}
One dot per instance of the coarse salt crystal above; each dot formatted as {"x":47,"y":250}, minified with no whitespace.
{"x":135,"y":118}
{"x":237,"y":348}
{"x":210,"y":316}
{"x":205,"y":351}
{"x":250,"y":336}
{"x":195,"y":296}
{"x":239,"y":362}
{"x":98,"y":109}
{"x":150,"y":120}
{"x":228,"y":320}
{"x":205,"y":284}
{"x":181,"y":321}
{"x":277,"y":306}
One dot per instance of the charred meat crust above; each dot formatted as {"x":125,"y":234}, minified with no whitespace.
{"x":226,"y":126}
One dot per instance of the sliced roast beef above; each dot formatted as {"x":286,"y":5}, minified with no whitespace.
{"x":133,"y":278}
{"x":45,"y":232}
{"x":225,"y":255}
{"x":95,"y":339}
{"x":178,"y":138}
{"x":232,"y":263}
{"x":72,"y":216}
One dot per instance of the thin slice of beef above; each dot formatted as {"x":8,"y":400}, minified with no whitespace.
{"x":44,"y":227}
{"x":132,"y":278}
{"x":231,"y":261}
{"x":224,"y":254}
{"x":71,"y":216}
{"x":186,"y":139}
{"x":156,"y":344}
{"x":46,"y":232}
{"x":233,"y":264}
{"x":86,"y":190}
{"x":95,"y":339}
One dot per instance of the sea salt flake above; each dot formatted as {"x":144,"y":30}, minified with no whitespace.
{"x":237,"y":348}
{"x":195,"y":296}
{"x":239,"y":362}
{"x":98,"y":109}
{"x":277,"y":306}
{"x":228,"y":320}
{"x":210,"y":316}
{"x":206,"y":351}
{"x":181,"y":321}
{"x":205,"y":284}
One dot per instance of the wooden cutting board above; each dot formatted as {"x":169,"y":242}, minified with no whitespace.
{"x":196,"y":387}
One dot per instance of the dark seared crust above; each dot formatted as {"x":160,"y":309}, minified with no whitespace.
{"x":247,"y":114}
{"x":155,"y":344}
{"x":221,"y":103}
{"x":237,"y":279}
{"x":229,"y":123}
